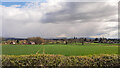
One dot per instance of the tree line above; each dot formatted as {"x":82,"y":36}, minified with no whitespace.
{"x":39,"y":40}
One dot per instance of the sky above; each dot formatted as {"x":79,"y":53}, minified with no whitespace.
{"x":59,"y":19}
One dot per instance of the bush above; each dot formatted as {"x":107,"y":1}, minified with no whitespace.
{"x":60,"y":60}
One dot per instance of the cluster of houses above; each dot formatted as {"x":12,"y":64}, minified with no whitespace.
{"x":26,"y":42}
{"x":63,"y":41}
{"x":21,"y":42}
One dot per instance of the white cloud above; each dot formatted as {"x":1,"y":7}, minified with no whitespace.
{"x":15,"y":6}
{"x":62,"y":36}
{"x":59,"y":19}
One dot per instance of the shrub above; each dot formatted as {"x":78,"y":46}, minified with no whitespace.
{"x":60,"y":60}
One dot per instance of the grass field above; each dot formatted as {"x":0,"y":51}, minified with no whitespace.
{"x":67,"y":50}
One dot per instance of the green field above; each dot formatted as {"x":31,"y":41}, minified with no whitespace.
{"x":67,"y":50}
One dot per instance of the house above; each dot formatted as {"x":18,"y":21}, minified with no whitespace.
{"x":12,"y":42}
{"x":31,"y":42}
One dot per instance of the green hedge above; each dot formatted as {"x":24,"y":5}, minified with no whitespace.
{"x":60,"y":60}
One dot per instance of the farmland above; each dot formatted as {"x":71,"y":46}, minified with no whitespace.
{"x":61,"y":49}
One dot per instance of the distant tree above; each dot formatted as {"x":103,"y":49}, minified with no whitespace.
{"x":17,"y":41}
{"x":82,"y":41}
{"x":85,"y":39}
{"x":65,"y":41}
{"x":0,"y":39}
{"x":101,"y":40}
{"x":96,"y":39}
{"x":70,"y":40}
{"x":74,"y":38}
{"x":37,"y":40}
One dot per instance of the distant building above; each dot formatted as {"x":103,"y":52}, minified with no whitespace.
{"x":13,"y":42}
{"x":31,"y":42}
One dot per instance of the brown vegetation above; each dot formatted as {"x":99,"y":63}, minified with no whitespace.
{"x":37,"y":40}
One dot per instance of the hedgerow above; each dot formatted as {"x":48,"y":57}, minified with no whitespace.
{"x":60,"y":60}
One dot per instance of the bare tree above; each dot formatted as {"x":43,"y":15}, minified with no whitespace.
{"x":37,"y":40}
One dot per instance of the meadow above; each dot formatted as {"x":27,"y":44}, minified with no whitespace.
{"x":61,"y":49}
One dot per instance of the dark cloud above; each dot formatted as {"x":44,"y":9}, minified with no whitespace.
{"x":85,"y":12}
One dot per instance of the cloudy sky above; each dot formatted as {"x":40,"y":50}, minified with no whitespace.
{"x":59,"y":19}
